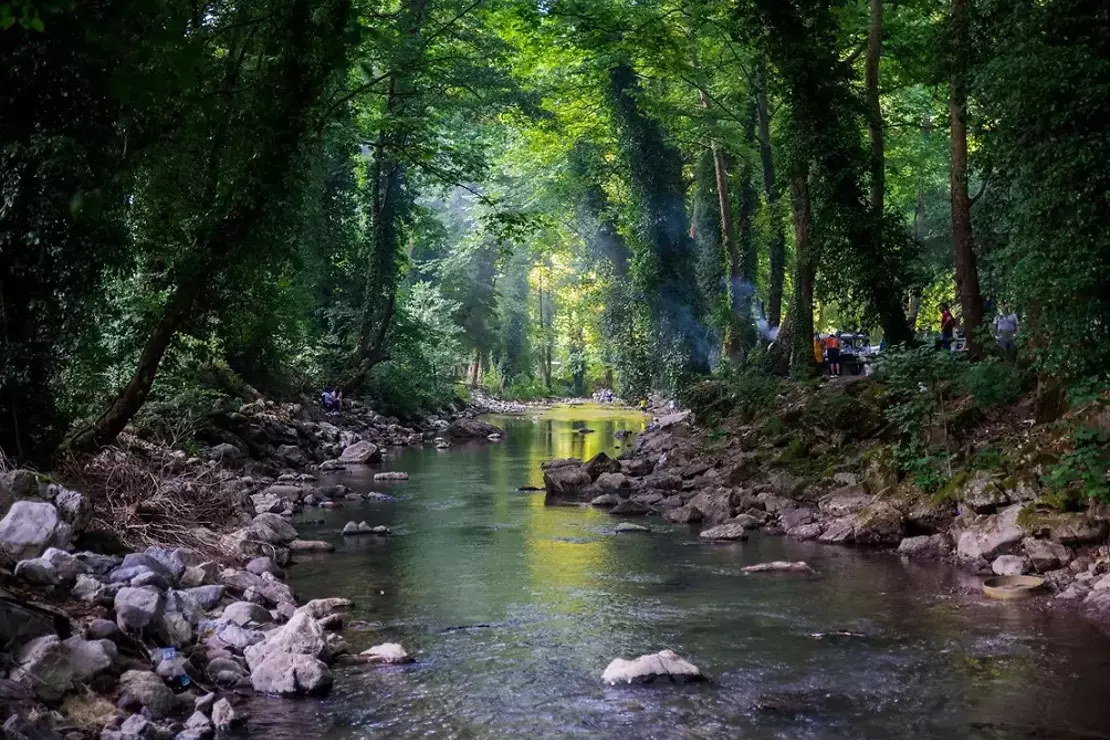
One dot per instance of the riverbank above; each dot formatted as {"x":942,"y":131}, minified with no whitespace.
{"x":818,"y":465}
{"x":143,"y":591}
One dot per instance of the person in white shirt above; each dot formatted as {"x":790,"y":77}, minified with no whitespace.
{"x":1005,"y":332}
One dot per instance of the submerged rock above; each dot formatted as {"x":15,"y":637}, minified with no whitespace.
{"x":780,"y":566}
{"x":391,"y":475}
{"x":664,"y":665}
{"x":630,"y":527}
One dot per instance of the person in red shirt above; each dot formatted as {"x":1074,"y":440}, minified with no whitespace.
{"x":832,"y":353}
{"x":947,"y":326}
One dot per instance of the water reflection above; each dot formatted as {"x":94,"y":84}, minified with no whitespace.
{"x":514,"y":608}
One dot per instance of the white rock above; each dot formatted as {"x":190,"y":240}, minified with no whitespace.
{"x":300,"y":635}
{"x":361,"y":453}
{"x":391,"y":475}
{"x":664,"y":665}
{"x":390,"y":653}
{"x":223,"y":715}
{"x":630,"y":527}
{"x":1010,"y":565}
{"x":29,"y":528}
{"x":780,"y":566}
{"x":88,"y":589}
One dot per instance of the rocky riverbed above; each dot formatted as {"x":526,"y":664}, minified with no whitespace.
{"x":988,"y":524}
{"x":147,"y":604}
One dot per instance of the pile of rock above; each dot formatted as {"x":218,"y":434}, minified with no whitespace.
{"x":164,"y":630}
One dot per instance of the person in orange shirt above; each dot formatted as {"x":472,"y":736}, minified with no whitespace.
{"x":832,"y":353}
{"x":818,"y":351}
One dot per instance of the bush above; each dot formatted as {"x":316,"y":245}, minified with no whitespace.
{"x":1084,"y":469}
{"x":993,"y":383}
{"x":743,"y":396}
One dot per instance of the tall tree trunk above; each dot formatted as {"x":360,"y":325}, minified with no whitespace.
{"x":801,"y":340}
{"x":919,"y":224}
{"x":745,"y":265}
{"x":875,"y":117}
{"x":774,"y":208}
{"x":967,"y":274}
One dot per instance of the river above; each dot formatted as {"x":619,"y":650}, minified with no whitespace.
{"x":513,"y":609}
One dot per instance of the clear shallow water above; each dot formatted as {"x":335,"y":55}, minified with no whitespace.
{"x":513,"y":610}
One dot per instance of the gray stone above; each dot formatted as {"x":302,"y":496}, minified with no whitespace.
{"x":43,"y":665}
{"x":1045,"y":555}
{"x":225,"y":453}
{"x":37,"y":572}
{"x":982,"y":494}
{"x":391,"y":475}
{"x":243,"y":613}
{"x":300,"y":635}
{"x":612,"y":482}
{"x":838,"y":531}
{"x":687,"y":514}
{"x":138,"y":608}
{"x":797,"y":518}
{"x":102,"y":629}
{"x":1010,"y":565}
{"x":151,"y":563}
{"x":73,"y":508}
{"x":68,"y":566}
{"x":206,"y":596}
{"x":350,"y":528}
{"x":100,"y":565}
{"x":148,"y":690}
{"x":261,"y":565}
{"x":726,"y":531}
{"x":151,"y":579}
{"x":88,"y":589}
{"x":566,"y":482}
{"x":845,"y":501}
{"x":716,"y":506}
{"x":126,"y":575}
{"x":199,"y":575}
{"x":805,"y":531}
{"x":310,"y":546}
{"x":606,"y":499}
{"x":925,"y":547}
{"x":28,"y":529}
{"x":628,"y":507}
{"x":361,"y":453}
{"x":291,"y":455}
{"x":267,"y":503}
{"x":291,"y":674}
{"x":198,"y":723}
{"x":990,"y":536}
{"x":272,"y":530}
{"x":90,"y":657}
{"x":878,"y":523}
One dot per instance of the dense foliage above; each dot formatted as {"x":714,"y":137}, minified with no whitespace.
{"x":402,"y":197}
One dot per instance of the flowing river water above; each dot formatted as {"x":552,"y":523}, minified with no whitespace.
{"x":512,"y":610}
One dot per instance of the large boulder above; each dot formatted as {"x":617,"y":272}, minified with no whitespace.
{"x":43,"y":665}
{"x":879,"y":523}
{"x":87,"y":658}
{"x":139,"y":608}
{"x":470,"y":429}
{"x":687,"y":514}
{"x":291,"y":674}
{"x":29,"y":528}
{"x":566,"y":482}
{"x":985,"y":538}
{"x":1010,"y":565}
{"x":715,"y":505}
{"x":1069,"y":528}
{"x":600,"y":464}
{"x":611,"y":482}
{"x":271,"y":529}
{"x":361,"y":453}
{"x":925,"y":547}
{"x":72,"y":507}
{"x":300,"y":635}
{"x":244,"y":613}
{"x":838,"y":531}
{"x":663,"y":666}
{"x":1045,"y":555}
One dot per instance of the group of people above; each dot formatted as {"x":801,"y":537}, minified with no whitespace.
{"x":603,"y":395}
{"x":1005,"y":325}
{"x":826,"y":352}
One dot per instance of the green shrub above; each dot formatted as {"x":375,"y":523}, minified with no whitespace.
{"x":1086,"y":468}
{"x":993,"y":383}
{"x":743,"y":396}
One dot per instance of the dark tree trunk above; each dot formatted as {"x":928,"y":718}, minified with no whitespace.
{"x":875,"y":118}
{"x":774,"y":209}
{"x":967,"y":274}
{"x":801,"y":339}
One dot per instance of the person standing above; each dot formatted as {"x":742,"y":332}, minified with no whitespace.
{"x":818,"y":352}
{"x":1005,"y":333}
{"x":832,"y":354}
{"x":947,"y":326}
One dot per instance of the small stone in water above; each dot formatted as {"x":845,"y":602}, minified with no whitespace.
{"x":389,"y":653}
{"x":630,"y":527}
